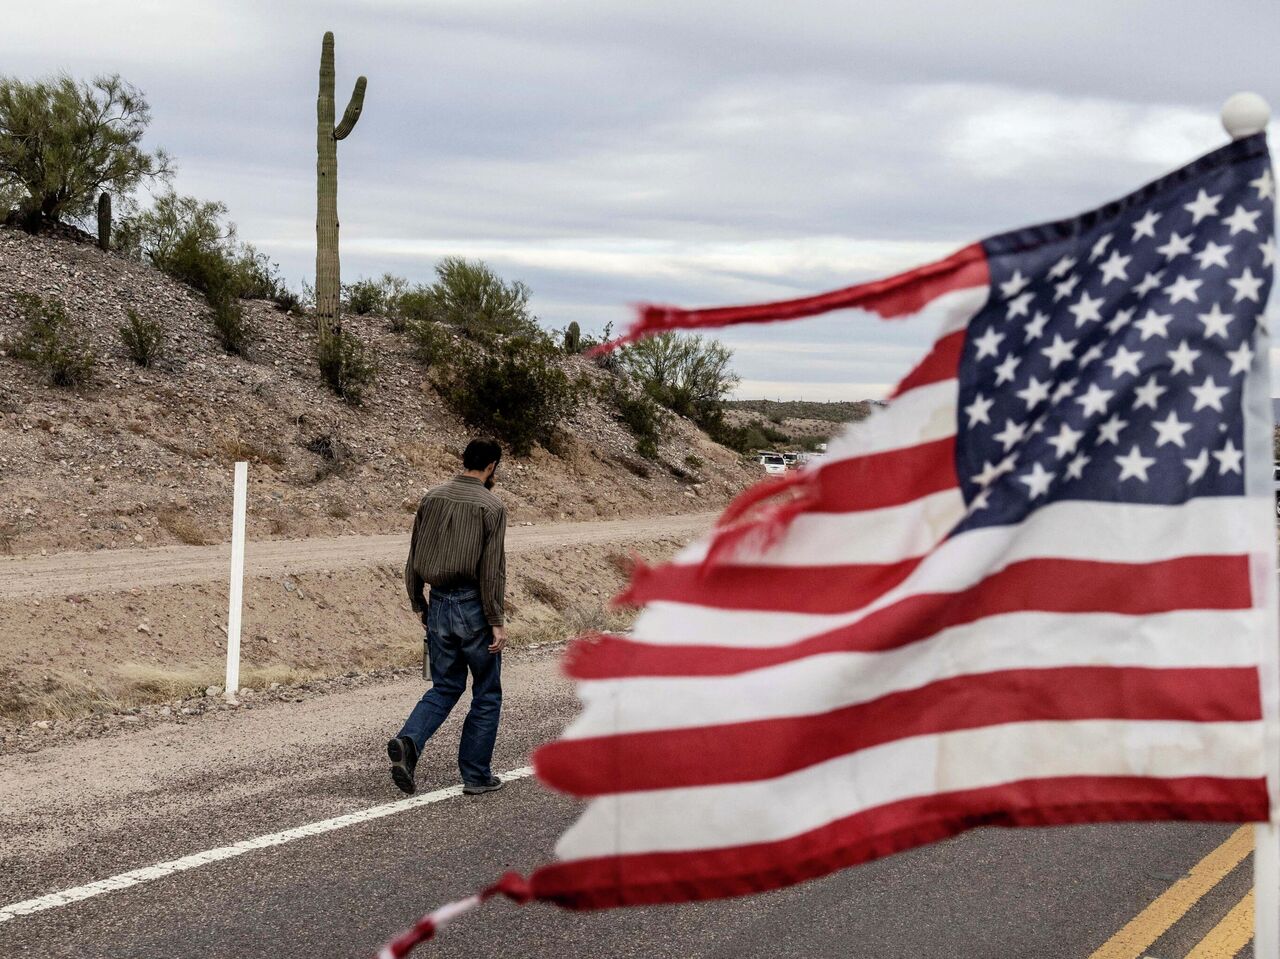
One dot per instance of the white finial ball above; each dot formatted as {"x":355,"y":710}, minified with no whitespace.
{"x":1245,"y":114}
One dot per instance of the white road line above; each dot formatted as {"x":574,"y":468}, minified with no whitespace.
{"x":136,"y":877}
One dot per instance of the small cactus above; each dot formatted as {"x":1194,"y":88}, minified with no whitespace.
{"x":328,"y":276}
{"x":104,"y":221}
{"x":573,"y":339}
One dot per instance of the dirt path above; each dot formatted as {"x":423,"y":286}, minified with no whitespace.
{"x":118,"y":570}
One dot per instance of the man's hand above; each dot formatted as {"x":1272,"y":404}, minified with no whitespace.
{"x":422,"y":617}
{"x":499,"y":639}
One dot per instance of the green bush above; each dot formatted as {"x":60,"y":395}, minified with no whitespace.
{"x":694,"y":462}
{"x":514,"y":390}
{"x":345,"y":365}
{"x":380,"y":296}
{"x":433,"y":345}
{"x":63,"y":142}
{"x":50,"y":343}
{"x":646,"y":420}
{"x":468,"y":295}
{"x":687,"y":374}
{"x":143,"y":338}
{"x":231,"y":327}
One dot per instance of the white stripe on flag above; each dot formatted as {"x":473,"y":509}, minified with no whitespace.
{"x":818,"y":684}
{"x":884,"y":535}
{"x":1102,"y":532}
{"x":710,"y":817}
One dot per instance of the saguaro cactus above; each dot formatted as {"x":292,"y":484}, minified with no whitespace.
{"x":104,"y":221}
{"x":573,"y":338}
{"x":328,"y":275}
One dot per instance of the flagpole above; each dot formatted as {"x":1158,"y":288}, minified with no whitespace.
{"x":1245,"y":114}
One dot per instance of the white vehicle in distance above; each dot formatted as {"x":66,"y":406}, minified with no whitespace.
{"x":791,"y":459}
{"x":772,"y":463}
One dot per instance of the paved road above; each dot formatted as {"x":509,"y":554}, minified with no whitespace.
{"x":114,"y":570}
{"x":94,"y":809}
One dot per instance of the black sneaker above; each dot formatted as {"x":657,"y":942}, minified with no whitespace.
{"x":404,"y":758}
{"x":474,"y":789}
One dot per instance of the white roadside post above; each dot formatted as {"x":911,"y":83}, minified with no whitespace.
{"x":1245,"y":114}
{"x":239,"y":503}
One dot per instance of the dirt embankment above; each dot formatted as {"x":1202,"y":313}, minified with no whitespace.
{"x":129,"y":642}
{"x":141,"y":458}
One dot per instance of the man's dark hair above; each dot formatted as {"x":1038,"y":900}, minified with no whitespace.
{"x":480,"y":453}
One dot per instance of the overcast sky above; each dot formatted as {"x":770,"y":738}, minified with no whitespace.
{"x":692,"y":152}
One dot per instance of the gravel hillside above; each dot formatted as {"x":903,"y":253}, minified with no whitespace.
{"x":142,"y":457}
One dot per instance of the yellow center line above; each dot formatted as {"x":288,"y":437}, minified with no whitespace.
{"x":1171,"y":905}
{"x":1230,"y":935}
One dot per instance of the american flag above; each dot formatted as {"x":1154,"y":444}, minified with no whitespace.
{"x":1038,"y":588}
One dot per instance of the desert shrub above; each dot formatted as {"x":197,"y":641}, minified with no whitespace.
{"x":432,"y":343}
{"x":741,"y":439}
{"x":645,"y":419}
{"x":694,"y":462}
{"x":231,"y":326}
{"x":183,"y":527}
{"x":771,"y":434}
{"x":143,"y":338}
{"x":688,"y":375}
{"x":516,"y":390}
{"x":380,"y":296}
{"x":193,"y":241}
{"x":49,"y":342}
{"x":64,"y":142}
{"x":345,"y":365}
{"x":545,"y":593}
{"x":468,"y":295}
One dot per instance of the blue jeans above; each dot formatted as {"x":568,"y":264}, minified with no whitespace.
{"x":458,"y":638}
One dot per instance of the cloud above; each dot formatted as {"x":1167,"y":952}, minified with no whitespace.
{"x":608,"y":152}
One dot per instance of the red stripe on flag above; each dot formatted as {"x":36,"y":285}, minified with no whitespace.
{"x":939,"y":364}
{"x":768,"y":748}
{"x":885,"y":479}
{"x":1036,"y":585}
{"x":900,"y":295}
{"x":659,"y":877}
{"x":800,"y":589}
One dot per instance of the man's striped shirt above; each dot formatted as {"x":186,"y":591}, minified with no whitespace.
{"x":459,"y":540}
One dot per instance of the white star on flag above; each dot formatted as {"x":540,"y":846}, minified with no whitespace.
{"x":1215,"y":322}
{"x":1020,"y":305}
{"x":1109,"y":432}
{"x":1208,"y":394}
{"x":1095,"y":399}
{"x":1066,"y":440}
{"x":988,"y":343}
{"x":1246,"y":286}
{"x":1035,"y":329}
{"x":1014,"y":285}
{"x":1134,"y":465}
{"x":1085,"y":310}
{"x":1240,"y":359}
{"x":1265,"y":186}
{"x":1148,"y":394}
{"x":1154,"y":324}
{"x":1197,"y":466}
{"x":1059,"y":351}
{"x":1243,"y":220}
{"x":1213,"y":254}
{"x":1170,"y":430}
{"x":1038,"y":480}
{"x":1064,"y":289}
{"x":1115,"y":267}
{"x":979,"y":410}
{"x":1183,"y":288}
{"x":1183,"y":358}
{"x":1202,"y":206}
{"x":1062,"y":267}
{"x":1268,"y":248}
{"x":1149,"y":283}
{"x":1176,"y":246}
{"x":1100,"y":247}
{"x":1125,"y":361}
{"x":1006,"y":370}
{"x":1228,"y":458}
{"x":1011,"y":434}
{"x":1034,"y":393}
{"x":1146,"y":226}
{"x":1075,"y":469}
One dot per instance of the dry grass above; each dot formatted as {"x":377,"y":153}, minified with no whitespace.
{"x":8,"y":533}
{"x":338,"y":509}
{"x":624,"y":563}
{"x":235,"y":449}
{"x":545,"y":593}
{"x":183,"y":527}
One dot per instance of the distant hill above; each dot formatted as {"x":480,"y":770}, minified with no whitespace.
{"x":841,"y":412}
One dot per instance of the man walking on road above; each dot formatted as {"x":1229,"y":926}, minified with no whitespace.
{"x":458,"y":549}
